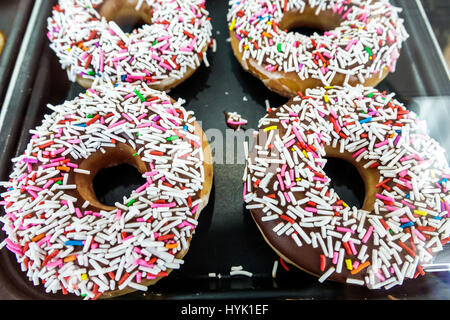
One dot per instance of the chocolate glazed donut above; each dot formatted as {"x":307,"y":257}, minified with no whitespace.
{"x":404,"y":220}
{"x":63,"y":236}
{"x":163,"y":52}
{"x":357,"y":47}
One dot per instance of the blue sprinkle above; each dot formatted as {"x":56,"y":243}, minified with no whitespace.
{"x":365,"y":120}
{"x":185,"y":128}
{"x":407,"y":196}
{"x":123,"y":77}
{"x":74,"y":243}
{"x":406,"y":225}
{"x":437,"y":218}
{"x":81,"y":125}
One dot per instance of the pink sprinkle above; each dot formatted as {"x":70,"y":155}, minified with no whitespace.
{"x":419,"y":235}
{"x":347,"y":13}
{"x":115,"y":59}
{"x":382,"y":197}
{"x":118,"y":123}
{"x":351,"y":43}
{"x":127,"y":117}
{"x":236,"y":123}
{"x":165,"y":205}
{"x":145,"y":185}
{"x":43,"y":240}
{"x":324,"y":180}
{"x":286,"y":196}
{"x":281,"y":182}
{"x":335,"y":257}
{"x":15,"y":250}
{"x":380,"y":276}
{"x":380,"y":144}
{"x":13,"y":245}
{"x":352,"y":247}
{"x":165,"y":65}
{"x":391,"y":208}
{"x":357,"y":153}
{"x":367,"y":235}
{"x":33,"y":194}
{"x":342,"y":229}
{"x":53,"y":264}
{"x":47,"y":184}
{"x":283,"y":169}
{"x":102,"y":61}
{"x":138,"y":277}
{"x":408,"y":204}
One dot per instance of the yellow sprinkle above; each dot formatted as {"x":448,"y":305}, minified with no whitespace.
{"x":306,"y":155}
{"x":298,"y":179}
{"x":421,"y":212}
{"x":345,"y":205}
{"x":360,"y":28}
{"x":349,"y":264}
{"x":269,"y":23}
{"x":246,"y":47}
{"x":325,"y":97}
{"x":232,"y":24}
{"x":84,"y":276}
{"x":330,"y":87}
{"x":270,"y":128}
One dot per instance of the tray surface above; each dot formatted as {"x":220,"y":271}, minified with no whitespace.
{"x":13,"y":20}
{"x":226,"y":235}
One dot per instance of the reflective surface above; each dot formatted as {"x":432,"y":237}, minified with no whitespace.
{"x":226,"y":235}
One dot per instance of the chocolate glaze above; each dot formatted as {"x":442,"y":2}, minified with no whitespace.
{"x":306,"y":257}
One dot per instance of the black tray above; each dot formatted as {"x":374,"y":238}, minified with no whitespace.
{"x":13,"y":22}
{"x":226,"y":235}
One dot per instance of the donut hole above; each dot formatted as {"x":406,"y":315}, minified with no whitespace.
{"x":307,"y":23}
{"x":346,"y":181}
{"x":113,"y":183}
{"x":124,"y":13}
{"x":113,"y":174}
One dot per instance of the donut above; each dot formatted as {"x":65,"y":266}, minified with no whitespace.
{"x":360,"y":45}
{"x":404,"y":220}
{"x":2,"y":42}
{"x":164,"y":52}
{"x":63,"y":236}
